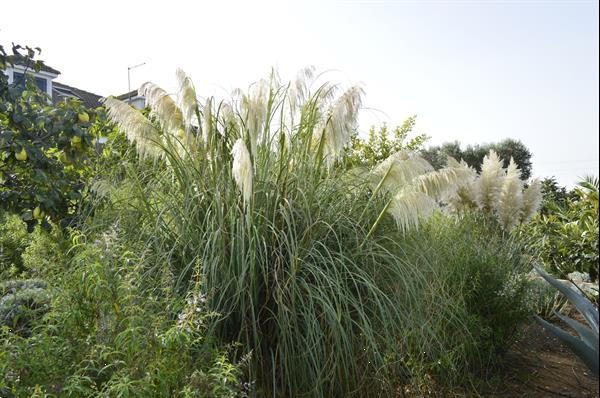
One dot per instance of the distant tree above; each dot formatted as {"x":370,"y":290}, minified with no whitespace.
{"x":474,"y":154}
{"x":437,"y":155}
{"x":555,"y":196}
{"x":381,"y":143}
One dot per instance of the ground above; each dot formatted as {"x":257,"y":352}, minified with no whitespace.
{"x":539,"y":365}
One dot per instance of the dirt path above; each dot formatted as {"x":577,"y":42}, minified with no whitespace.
{"x":539,"y":365}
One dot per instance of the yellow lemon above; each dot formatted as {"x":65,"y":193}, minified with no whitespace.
{"x":76,"y":141}
{"x":21,"y":155}
{"x":83,"y":117}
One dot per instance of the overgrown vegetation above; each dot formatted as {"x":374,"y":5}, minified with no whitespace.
{"x":256,"y":246}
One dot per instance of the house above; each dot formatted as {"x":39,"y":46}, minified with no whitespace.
{"x":45,"y":81}
{"x":133,"y":99}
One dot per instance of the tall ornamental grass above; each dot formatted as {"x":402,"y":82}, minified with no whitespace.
{"x":301,"y":257}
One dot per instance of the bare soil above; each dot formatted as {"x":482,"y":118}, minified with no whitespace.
{"x":539,"y":365}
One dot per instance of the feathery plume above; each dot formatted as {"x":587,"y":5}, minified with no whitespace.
{"x":298,"y":90}
{"x":399,"y":169}
{"x":408,"y":207}
{"x":242,"y":169}
{"x":253,"y":108}
{"x":443,"y":183}
{"x":228,"y":118}
{"x":207,"y":120}
{"x":338,"y":124}
{"x":511,"y":197}
{"x":532,"y":197}
{"x":137,"y":128}
{"x":162,"y":105}
{"x":490,"y":181}
{"x":186,"y":101}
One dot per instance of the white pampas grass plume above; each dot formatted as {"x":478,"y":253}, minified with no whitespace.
{"x":253,"y":108}
{"x":490,"y":182}
{"x":228,"y":120}
{"x":298,"y":89}
{"x":444,"y":183}
{"x":137,"y":128}
{"x":532,"y":197}
{"x":242,"y":169}
{"x":186,"y":101}
{"x":163,"y":107}
{"x":511,"y":197}
{"x":408,"y":207}
{"x":399,"y":169}
{"x":338,"y":124}
{"x":207,"y":120}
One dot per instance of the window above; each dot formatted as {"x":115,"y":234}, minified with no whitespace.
{"x":40,"y":82}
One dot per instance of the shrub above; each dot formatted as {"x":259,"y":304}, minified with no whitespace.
{"x":13,"y":242}
{"x":21,"y":303}
{"x":483,"y":271}
{"x":39,"y":254}
{"x":110,"y":334}
{"x":566,"y":238}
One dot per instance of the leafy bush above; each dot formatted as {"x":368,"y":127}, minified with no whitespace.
{"x":110,"y":334}
{"x":45,"y":149}
{"x":380,"y":144}
{"x":39,"y":254}
{"x":566,"y":238}
{"x":483,"y":271}
{"x":21,"y":302}
{"x":13,"y":242}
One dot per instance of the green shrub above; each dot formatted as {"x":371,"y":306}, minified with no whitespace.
{"x":565,"y":239}
{"x":110,"y":334}
{"x":13,"y":242}
{"x":39,"y":254}
{"x":21,"y":303}
{"x":545,"y":301}
{"x":482,"y":271}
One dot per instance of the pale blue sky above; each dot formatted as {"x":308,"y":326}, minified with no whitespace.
{"x":473,"y":71}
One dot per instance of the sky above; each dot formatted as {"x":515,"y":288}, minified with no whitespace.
{"x":472,"y":71}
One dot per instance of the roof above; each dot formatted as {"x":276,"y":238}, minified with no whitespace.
{"x":126,"y":96}
{"x":90,"y":100}
{"x":21,"y":60}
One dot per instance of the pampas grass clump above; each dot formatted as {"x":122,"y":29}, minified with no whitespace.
{"x":499,"y":192}
{"x":299,"y":256}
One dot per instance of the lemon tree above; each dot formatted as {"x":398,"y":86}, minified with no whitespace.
{"x":45,"y":149}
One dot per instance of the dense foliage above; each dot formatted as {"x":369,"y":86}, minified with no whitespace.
{"x":380,"y":144}
{"x":255,"y":246}
{"x":95,"y":328}
{"x":565,"y":238}
{"x":44,"y":149}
